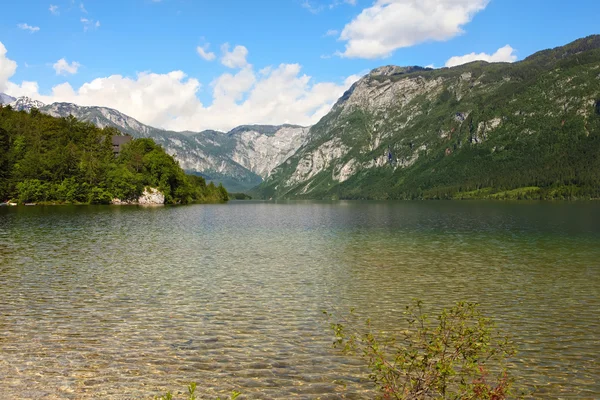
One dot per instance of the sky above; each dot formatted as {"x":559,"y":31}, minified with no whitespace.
{"x":216,"y":64}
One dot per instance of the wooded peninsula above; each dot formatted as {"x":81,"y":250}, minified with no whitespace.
{"x":51,"y":160}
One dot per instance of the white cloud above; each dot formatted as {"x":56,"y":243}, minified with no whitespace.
{"x":392,"y":24}
{"x":82,"y":8}
{"x":316,"y":6}
{"x":312,"y":7}
{"x":229,"y":88}
{"x":270,"y":95}
{"x":352,"y":79}
{"x":336,"y":3}
{"x":26,"y":88}
{"x":204,"y":53}
{"x":62,"y":67}
{"x":278,"y":95}
{"x":503,"y":54}
{"x":89,"y":24}
{"x":7,"y":68}
{"x":26,"y":27}
{"x":54,"y":9}
{"x":332,"y":32}
{"x":235,"y":58}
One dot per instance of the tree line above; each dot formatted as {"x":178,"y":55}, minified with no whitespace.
{"x":62,"y":160}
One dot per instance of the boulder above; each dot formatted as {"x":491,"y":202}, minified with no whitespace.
{"x":150,"y":197}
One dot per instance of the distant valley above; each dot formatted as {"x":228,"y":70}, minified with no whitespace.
{"x":240,"y":159}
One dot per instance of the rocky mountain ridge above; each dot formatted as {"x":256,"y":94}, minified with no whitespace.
{"x":6,"y":99}
{"x":412,"y":132}
{"x":23,"y":103}
{"x":240,"y":159}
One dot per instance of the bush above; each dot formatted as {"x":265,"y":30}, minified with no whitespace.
{"x":457,"y":356}
{"x":99,"y":196}
{"x":192,"y":394}
{"x":32,"y":190}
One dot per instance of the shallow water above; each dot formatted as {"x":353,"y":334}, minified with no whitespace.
{"x":128,"y":302}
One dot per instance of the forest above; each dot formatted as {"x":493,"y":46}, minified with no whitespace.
{"x":47,"y":160}
{"x":523,"y":130}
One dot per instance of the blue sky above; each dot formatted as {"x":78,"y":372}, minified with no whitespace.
{"x":314,"y":48}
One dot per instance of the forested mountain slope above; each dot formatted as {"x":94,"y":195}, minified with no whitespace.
{"x":240,"y":159}
{"x":63,"y":160}
{"x":526,"y":130}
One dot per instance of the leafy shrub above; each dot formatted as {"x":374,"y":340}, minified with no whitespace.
{"x":192,"y":394}
{"x":32,"y":190}
{"x":458,"y":355}
{"x":99,"y":196}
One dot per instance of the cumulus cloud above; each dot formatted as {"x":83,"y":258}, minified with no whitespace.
{"x":235,"y":58}
{"x":503,"y":54}
{"x":204,"y":53}
{"x":276,"y":95}
{"x":392,"y":24}
{"x":229,"y":89}
{"x":26,"y":27}
{"x":7,"y":68}
{"x":62,"y":67}
{"x":271,"y":95}
{"x":54,"y":9}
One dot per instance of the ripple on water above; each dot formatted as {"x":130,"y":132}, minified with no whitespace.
{"x":107,"y":302}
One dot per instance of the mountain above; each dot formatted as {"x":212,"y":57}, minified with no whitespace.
{"x":527,"y":129}
{"x":56,"y":160}
{"x":6,"y":99}
{"x":25,"y":104}
{"x":240,"y":159}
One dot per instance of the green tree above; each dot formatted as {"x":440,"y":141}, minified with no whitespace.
{"x":46,"y":159}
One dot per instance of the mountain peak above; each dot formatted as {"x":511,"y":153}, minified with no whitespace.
{"x":391,"y":70}
{"x":25,"y":103}
{"x":6,"y":99}
{"x":268,"y":130}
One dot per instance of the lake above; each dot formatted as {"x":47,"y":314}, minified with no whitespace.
{"x":128,"y":302}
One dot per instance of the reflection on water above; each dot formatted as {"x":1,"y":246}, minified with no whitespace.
{"x":127,"y":302}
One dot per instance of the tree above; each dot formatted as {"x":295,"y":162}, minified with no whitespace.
{"x":46,"y":159}
{"x":4,"y":163}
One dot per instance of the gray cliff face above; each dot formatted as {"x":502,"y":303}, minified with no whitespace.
{"x":261,"y":153}
{"x":402,"y":125}
{"x":240,"y":159}
{"x":99,"y":116}
{"x":355,"y":136}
